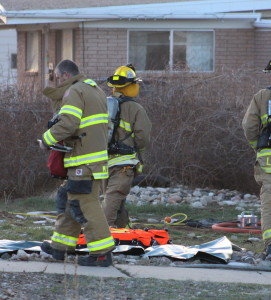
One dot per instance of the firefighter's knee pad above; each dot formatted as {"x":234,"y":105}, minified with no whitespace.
{"x":79,"y":186}
{"x":61,"y":199}
{"x":76,"y":212}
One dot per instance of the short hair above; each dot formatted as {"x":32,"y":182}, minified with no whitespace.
{"x":68,"y":66}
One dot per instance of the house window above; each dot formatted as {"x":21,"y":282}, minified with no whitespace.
{"x":13,"y":61}
{"x":32,"y":51}
{"x":149,"y":50}
{"x":173,"y":50}
{"x":64,"y":44}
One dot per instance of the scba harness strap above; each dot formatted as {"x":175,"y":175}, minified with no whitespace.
{"x":117,"y":146}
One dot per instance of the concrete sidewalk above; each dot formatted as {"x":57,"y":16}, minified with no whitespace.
{"x":198,"y":274}
{"x":135,"y":271}
{"x":58,"y":268}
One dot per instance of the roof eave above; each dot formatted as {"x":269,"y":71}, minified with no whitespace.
{"x":17,"y":18}
{"x":262,"y":24}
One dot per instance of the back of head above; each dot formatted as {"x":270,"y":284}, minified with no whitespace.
{"x":68,"y":66}
{"x":130,"y":90}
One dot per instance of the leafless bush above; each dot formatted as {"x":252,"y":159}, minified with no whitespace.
{"x":197,"y":137}
{"x":23,"y":118}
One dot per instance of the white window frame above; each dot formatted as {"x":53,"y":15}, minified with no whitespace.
{"x":171,"y":48}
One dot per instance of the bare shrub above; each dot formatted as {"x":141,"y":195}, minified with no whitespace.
{"x":23,"y":118}
{"x":197,"y":137}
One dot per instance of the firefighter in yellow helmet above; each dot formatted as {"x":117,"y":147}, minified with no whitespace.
{"x":130,"y":137}
{"x":257,"y":128}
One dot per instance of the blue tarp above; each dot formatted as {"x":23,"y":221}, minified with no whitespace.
{"x":10,"y":246}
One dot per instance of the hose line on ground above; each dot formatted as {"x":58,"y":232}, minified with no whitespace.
{"x":232,"y":227}
{"x":170,"y":221}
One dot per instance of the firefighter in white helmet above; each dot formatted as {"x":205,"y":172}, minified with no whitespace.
{"x":257,"y":128}
{"x":130,"y":138}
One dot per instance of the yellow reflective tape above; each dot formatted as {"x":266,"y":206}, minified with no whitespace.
{"x":267,"y":234}
{"x":266,"y":169}
{"x":90,"y":82}
{"x":64,"y":239}
{"x":72,"y":110}
{"x":253,"y":144}
{"x":264,"y":152}
{"x":264,"y":119}
{"x":125,"y":125}
{"x":140,"y":168}
{"x":121,"y":158}
{"x":49,"y":139}
{"x":101,"y":244}
{"x":100,"y":175}
{"x":94,"y":119}
{"x":85,"y":159}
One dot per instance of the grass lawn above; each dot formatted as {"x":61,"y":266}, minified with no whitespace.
{"x":17,"y":225}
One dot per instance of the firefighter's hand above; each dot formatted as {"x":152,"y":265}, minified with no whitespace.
{"x":42,"y":146}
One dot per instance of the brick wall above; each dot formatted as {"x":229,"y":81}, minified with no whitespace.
{"x":105,"y":49}
{"x":234,"y":48}
{"x":102,"y":51}
{"x":262,"y":48}
{"x":263,"y":54}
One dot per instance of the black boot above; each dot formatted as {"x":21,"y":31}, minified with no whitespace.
{"x":97,"y":260}
{"x":57,"y":254}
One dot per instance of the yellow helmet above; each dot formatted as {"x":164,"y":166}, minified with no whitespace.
{"x":123,"y":76}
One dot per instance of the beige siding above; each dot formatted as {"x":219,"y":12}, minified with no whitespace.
{"x":9,"y":47}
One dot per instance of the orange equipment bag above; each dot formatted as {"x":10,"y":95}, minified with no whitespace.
{"x":136,"y":237}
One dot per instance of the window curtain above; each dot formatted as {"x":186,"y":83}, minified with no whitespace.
{"x":199,"y":51}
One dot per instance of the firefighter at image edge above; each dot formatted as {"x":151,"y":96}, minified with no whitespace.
{"x":257,"y":129}
{"x":83,"y":126}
